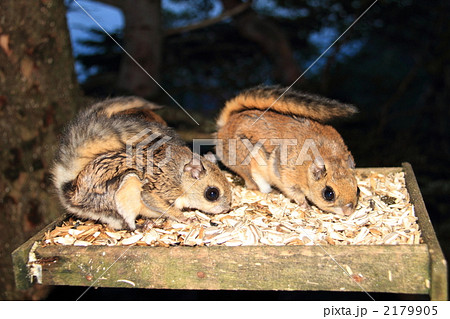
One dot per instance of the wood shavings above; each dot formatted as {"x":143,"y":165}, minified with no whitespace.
{"x":384,"y":216}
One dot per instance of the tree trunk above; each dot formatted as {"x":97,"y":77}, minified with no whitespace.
{"x":38,"y":94}
{"x":270,"y":38}
{"x":142,"y":41}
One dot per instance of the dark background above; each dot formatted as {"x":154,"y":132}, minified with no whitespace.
{"x":393,"y":64}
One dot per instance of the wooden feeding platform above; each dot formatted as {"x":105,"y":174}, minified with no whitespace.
{"x":265,"y":243}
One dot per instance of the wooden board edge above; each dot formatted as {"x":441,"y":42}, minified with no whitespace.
{"x":381,"y":170}
{"x":237,"y":268}
{"x":20,"y":256}
{"x":439,"y":283}
{"x":438,"y":266}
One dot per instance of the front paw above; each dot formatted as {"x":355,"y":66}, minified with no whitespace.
{"x":304,"y":205}
{"x":151,"y":223}
{"x":179,"y":217}
{"x":302,"y":202}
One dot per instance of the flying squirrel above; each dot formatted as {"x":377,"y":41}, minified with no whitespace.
{"x":273,"y":137}
{"x":118,"y":160}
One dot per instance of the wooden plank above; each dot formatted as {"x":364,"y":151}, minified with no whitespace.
{"x":396,"y":269}
{"x":21,"y":254}
{"x":381,"y":170}
{"x":439,"y":283}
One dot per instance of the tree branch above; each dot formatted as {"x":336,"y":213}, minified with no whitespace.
{"x":271,"y":39}
{"x":207,"y":22}
{"x":115,"y":3}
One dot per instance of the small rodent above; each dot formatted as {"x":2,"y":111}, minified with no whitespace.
{"x":118,"y":160}
{"x":289,"y":147}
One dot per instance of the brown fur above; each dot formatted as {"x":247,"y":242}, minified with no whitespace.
{"x":147,"y":115}
{"x":285,"y":102}
{"x":288,"y":128}
{"x":99,"y":173}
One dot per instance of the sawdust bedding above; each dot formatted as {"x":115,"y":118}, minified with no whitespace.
{"x":384,"y":216}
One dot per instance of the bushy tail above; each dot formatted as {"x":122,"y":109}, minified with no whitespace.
{"x":131,"y":105}
{"x":289,"y":102}
{"x":97,"y":130}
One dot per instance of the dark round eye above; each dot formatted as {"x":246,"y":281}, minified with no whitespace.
{"x":328,"y":194}
{"x":212,"y":194}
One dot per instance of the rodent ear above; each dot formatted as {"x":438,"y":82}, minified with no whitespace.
{"x":317,"y":168}
{"x":195,"y":167}
{"x":210,"y":157}
{"x":350,"y":162}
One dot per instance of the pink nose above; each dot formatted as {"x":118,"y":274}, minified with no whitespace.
{"x":348,"y":209}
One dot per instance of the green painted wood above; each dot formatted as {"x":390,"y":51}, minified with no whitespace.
{"x":21,"y":254}
{"x":395,"y":269}
{"x":438,"y":264}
